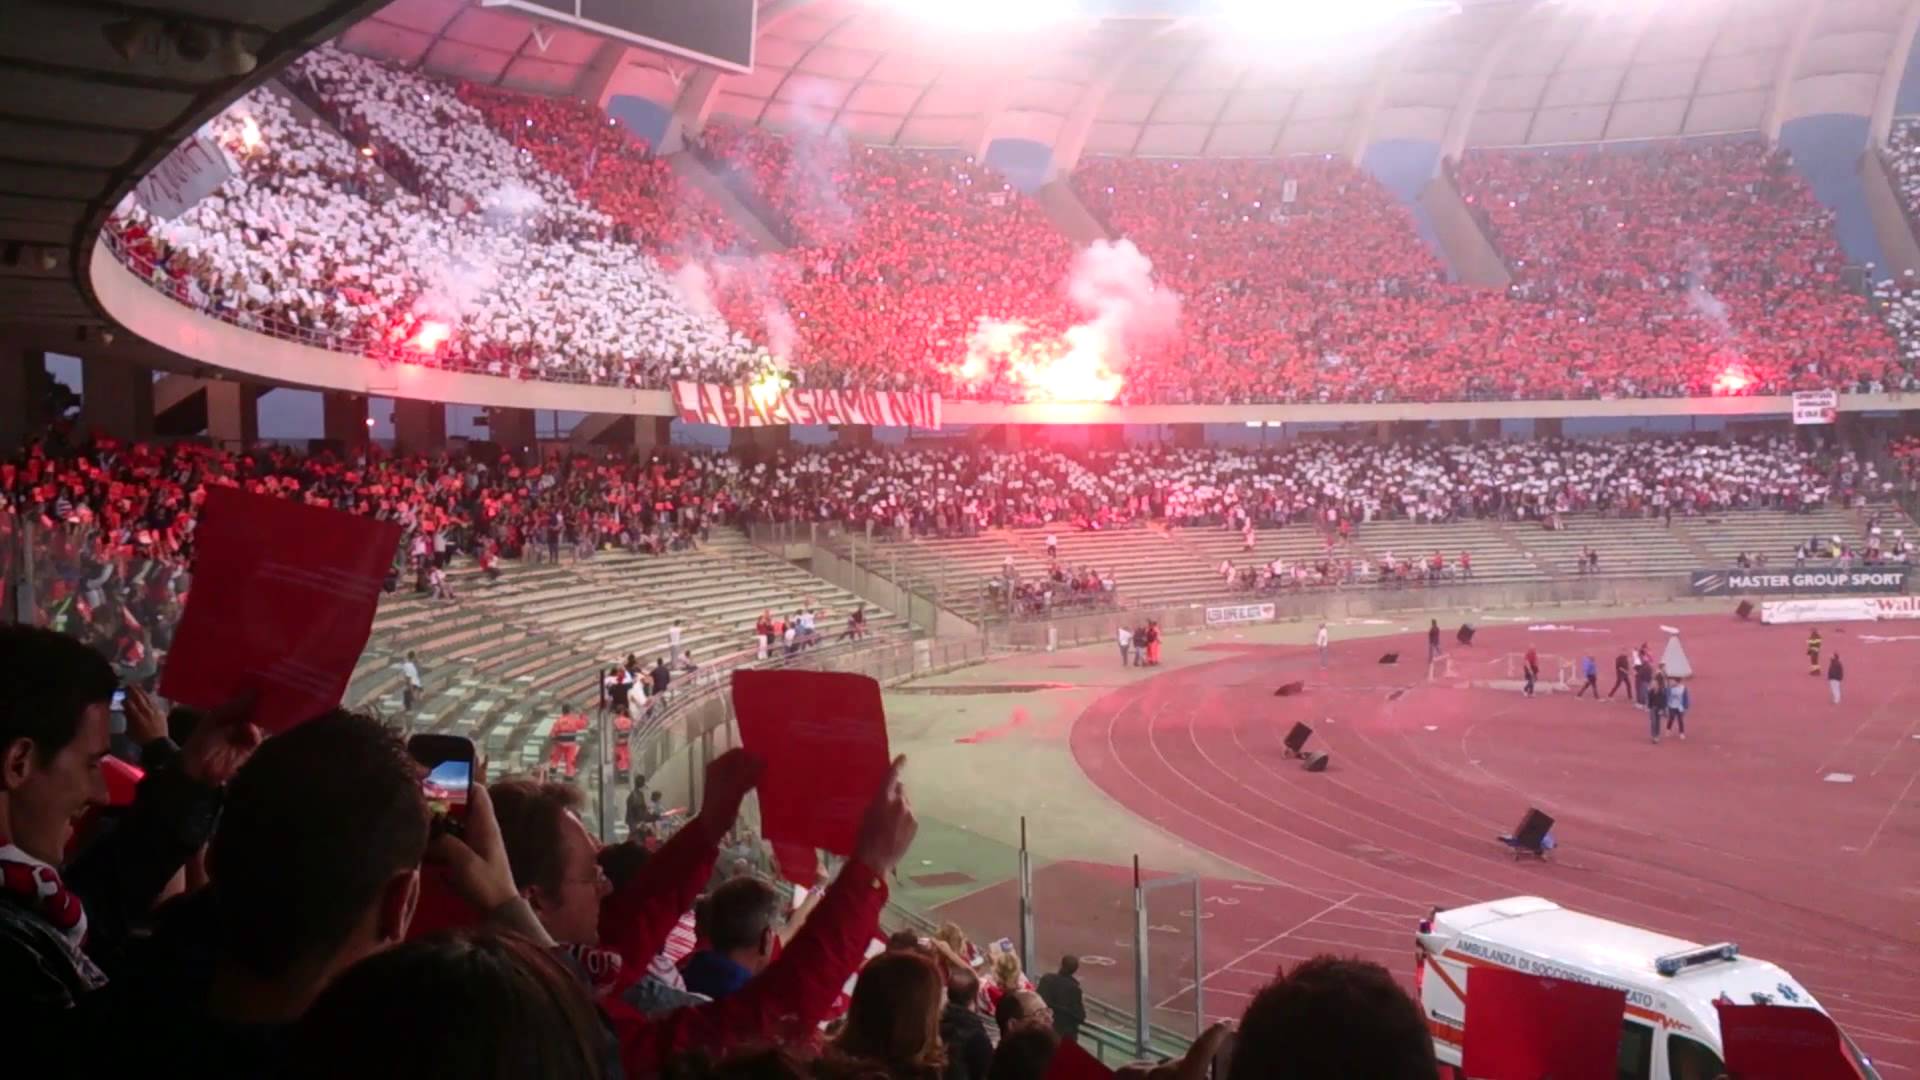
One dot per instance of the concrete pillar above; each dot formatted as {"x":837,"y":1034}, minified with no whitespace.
{"x":761,"y":440}
{"x":1455,"y":430}
{"x":1548,"y":427}
{"x":233,"y":415}
{"x":853,"y":434}
{"x":1486,"y":430}
{"x":116,"y":399}
{"x":419,"y":427}
{"x":344,"y":420}
{"x":651,"y":433}
{"x":23,"y":397}
{"x":1187,"y":436}
{"x":1106,"y":437}
{"x":513,"y":429}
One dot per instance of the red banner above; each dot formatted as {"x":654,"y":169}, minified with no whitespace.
{"x":282,"y":603}
{"x":744,"y":406}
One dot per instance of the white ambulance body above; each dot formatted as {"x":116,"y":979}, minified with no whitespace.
{"x":1670,"y":1030}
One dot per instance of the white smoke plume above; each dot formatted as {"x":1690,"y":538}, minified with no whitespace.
{"x":694,"y":286}
{"x":1701,"y":299}
{"x":1112,"y":281}
{"x":1126,"y":313}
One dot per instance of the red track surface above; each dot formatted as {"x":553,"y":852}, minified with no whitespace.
{"x":1732,"y":834}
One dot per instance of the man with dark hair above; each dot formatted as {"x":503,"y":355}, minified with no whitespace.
{"x":963,"y":1029}
{"x":315,"y":865}
{"x":740,"y":922}
{"x":1061,"y":991}
{"x":792,"y":995}
{"x":1331,"y":1019}
{"x":58,"y":930}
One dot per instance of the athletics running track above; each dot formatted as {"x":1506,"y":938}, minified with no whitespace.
{"x":1783,"y":823}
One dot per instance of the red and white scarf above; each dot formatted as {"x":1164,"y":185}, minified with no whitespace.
{"x":38,"y":886}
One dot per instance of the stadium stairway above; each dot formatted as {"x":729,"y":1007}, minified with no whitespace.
{"x":500,"y":662}
{"x":694,"y":172}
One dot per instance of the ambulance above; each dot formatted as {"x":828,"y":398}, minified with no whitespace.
{"x":1670,"y":1031}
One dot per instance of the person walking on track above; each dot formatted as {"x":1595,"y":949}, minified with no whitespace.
{"x":1678,"y":699}
{"x":1531,"y":669}
{"x":1622,"y":676}
{"x":1656,"y":702}
{"x":1813,"y":652}
{"x":1320,"y":642}
{"x":1590,"y":671}
{"x":1835,"y":673}
{"x":1433,"y":640}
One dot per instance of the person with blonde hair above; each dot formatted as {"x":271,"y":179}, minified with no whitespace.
{"x":1003,"y":975}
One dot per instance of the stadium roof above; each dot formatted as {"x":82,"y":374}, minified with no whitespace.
{"x":97,"y":93}
{"x":1159,"y":79}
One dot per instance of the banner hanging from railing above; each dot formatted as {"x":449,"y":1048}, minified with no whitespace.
{"x":750,"y":406}
{"x":1815,"y":406}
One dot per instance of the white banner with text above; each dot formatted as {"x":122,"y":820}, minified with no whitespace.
{"x":747,"y":406}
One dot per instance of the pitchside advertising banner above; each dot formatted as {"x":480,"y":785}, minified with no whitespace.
{"x":744,"y":406}
{"x":1873,"y":579}
{"x":1841,"y":609}
{"x":1239,"y":613}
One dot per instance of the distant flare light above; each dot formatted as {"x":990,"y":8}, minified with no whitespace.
{"x":1733,"y":379}
{"x":249,"y":133}
{"x":430,"y":336}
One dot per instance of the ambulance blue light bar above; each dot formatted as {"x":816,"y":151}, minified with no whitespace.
{"x":1674,"y":963}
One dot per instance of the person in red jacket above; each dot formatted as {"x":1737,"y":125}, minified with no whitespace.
{"x":553,"y":864}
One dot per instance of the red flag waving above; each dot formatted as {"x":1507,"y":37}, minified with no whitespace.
{"x":1525,"y":1027}
{"x":282,"y":603}
{"x":823,"y":736}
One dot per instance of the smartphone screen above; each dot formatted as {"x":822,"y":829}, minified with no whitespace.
{"x":446,"y":786}
{"x":448,"y":782}
{"x":119,"y":700}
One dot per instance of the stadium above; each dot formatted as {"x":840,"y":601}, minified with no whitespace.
{"x":488,"y":487}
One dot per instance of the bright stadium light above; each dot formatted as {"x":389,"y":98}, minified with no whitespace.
{"x":991,"y":15}
{"x":1318,"y":20}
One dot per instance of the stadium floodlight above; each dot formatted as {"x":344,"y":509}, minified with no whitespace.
{"x":1317,"y":20}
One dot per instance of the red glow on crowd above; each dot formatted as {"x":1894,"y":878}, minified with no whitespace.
{"x":432,"y":334}
{"x":1733,"y":379}
{"x":1073,"y":367}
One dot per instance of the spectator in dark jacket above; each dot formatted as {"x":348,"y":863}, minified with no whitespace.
{"x":57,"y":929}
{"x":315,"y":866}
{"x":1061,"y":992}
{"x":963,"y":1030}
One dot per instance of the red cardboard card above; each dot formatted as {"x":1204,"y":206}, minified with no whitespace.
{"x":1071,"y":1062}
{"x":1782,"y":1042}
{"x":1526,"y":1027}
{"x":823,"y":736}
{"x":282,"y":602}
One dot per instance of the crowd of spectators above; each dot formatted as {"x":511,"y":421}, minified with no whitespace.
{"x":291,"y":906}
{"x":113,"y":523}
{"x":1683,"y":268}
{"x":897,"y":256}
{"x":1898,"y":297}
{"x":436,"y":242}
{"x":441,"y":222}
